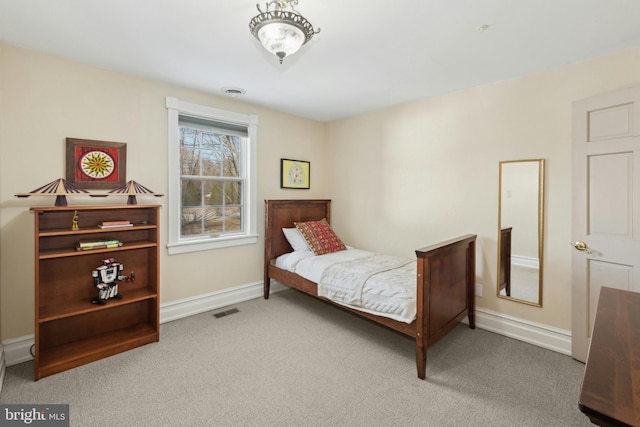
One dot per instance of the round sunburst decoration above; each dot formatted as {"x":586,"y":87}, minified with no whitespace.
{"x":97,"y":164}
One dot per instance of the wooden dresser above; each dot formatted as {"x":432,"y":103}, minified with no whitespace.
{"x":611,"y":386}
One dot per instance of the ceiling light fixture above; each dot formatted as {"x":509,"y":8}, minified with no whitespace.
{"x":281,"y":29}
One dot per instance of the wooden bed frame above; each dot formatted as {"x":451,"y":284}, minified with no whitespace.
{"x":445,"y":276}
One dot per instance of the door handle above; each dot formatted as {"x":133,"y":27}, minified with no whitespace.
{"x":582,"y":246}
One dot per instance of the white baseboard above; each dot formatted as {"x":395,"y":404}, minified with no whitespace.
{"x":17,"y":350}
{"x":178,"y":309}
{"x":525,"y":261}
{"x":544,"y":336}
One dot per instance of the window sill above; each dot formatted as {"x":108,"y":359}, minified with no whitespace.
{"x":209,"y":244}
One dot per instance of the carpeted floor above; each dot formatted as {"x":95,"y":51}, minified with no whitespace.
{"x":293,"y":361}
{"x":524,"y":283}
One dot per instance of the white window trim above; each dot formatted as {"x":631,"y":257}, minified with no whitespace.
{"x":175,"y":244}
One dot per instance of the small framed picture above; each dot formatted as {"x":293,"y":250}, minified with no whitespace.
{"x":295,"y":174}
{"x":96,"y":164}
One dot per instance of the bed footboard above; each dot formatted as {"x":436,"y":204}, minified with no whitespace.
{"x":446,"y":292}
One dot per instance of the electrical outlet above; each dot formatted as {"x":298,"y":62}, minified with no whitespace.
{"x":478,"y":290}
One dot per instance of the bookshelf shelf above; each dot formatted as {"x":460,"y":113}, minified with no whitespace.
{"x":70,"y":355}
{"x":50,"y":313}
{"x":61,"y":253}
{"x":95,"y":230}
{"x":69,"y":330}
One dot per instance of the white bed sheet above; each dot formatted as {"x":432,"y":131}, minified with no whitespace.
{"x":390,"y":293}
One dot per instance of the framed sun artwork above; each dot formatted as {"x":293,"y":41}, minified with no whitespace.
{"x":295,"y":174}
{"x":96,"y":164}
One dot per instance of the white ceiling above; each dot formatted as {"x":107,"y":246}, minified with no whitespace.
{"x":370,"y":54}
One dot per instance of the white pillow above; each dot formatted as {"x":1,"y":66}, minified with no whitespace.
{"x":295,"y":239}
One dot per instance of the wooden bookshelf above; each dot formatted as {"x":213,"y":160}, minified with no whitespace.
{"x":69,"y":329}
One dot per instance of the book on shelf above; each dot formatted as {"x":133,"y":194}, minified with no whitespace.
{"x":115,"y":224}
{"x":87,"y":245}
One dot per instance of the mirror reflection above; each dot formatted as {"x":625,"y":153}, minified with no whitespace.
{"x":520,"y":230}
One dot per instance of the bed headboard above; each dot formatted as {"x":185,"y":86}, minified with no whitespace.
{"x":281,"y":214}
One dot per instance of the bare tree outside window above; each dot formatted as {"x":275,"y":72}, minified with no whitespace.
{"x":211,"y":182}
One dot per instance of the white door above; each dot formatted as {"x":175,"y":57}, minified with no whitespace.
{"x":606,"y":205}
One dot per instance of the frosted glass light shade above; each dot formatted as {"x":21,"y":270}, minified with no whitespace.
{"x":281,"y":39}
{"x":281,"y":32}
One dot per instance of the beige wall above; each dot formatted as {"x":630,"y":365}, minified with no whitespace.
{"x":421,"y":172}
{"x":45,"y":99}
{"x":400,"y":178}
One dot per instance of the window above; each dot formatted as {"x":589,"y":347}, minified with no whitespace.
{"x":212,"y":178}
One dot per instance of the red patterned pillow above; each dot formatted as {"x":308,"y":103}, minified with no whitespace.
{"x":320,"y":237}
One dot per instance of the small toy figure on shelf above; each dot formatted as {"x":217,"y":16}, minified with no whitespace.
{"x":74,"y":221}
{"x":105,"y":280}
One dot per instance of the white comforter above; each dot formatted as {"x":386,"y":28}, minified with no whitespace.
{"x":378,"y":284}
